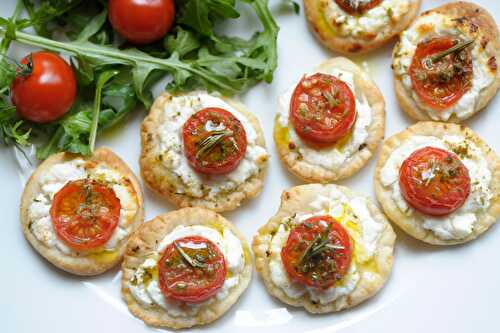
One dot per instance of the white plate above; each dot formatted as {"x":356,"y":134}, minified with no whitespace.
{"x":452,"y":289}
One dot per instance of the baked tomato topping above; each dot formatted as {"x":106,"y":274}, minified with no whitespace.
{"x":357,"y":7}
{"x":85,"y":213}
{"x":192,"y":269}
{"x":215,"y":141}
{"x":441,"y":71}
{"x":322,"y":109}
{"x":318,"y":252}
{"x":434,"y":181}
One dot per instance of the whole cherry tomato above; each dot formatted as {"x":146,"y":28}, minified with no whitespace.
{"x":141,"y":21}
{"x":47,"y":91}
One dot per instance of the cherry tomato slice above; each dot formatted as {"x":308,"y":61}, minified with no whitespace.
{"x":322,"y":109}
{"x":85,"y":213}
{"x":441,"y":83}
{"x":215,"y":141}
{"x":318,"y":252}
{"x":357,"y":7}
{"x":48,"y":92}
{"x":192,"y":269}
{"x":434,"y":181}
{"x":142,"y":21}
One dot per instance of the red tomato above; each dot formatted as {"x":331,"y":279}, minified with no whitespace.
{"x":192,"y":269}
{"x":441,"y":83}
{"x":215,"y":141}
{"x":85,"y":213}
{"x":357,"y":7}
{"x":142,"y":21}
{"x":48,"y":92}
{"x":434,"y":181}
{"x":318,"y":252}
{"x":322,"y":109}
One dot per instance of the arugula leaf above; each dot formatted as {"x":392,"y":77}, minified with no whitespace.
{"x":101,"y":81}
{"x":42,"y":12}
{"x":12,"y":129}
{"x":295,"y":6}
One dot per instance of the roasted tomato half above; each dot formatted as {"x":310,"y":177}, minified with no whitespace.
{"x":322,"y":109}
{"x":318,"y":252}
{"x":441,"y":71}
{"x":192,"y":269}
{"x":434,"y":181}
{"x":357,"y":7}
{"x":85,"y":213}
{"x":215,"y":141}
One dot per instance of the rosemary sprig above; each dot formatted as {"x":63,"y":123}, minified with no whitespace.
{"x":454,"y":49}
{"x":191,"y":261}
{"x":211,"y":141}
{"x":317,"y":245}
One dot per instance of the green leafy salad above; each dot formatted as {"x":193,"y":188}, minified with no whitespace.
{"x":114,"y":76}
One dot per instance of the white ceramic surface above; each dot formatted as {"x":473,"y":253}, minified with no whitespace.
{"x":452,"y":289}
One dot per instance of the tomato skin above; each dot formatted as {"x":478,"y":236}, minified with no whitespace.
{"x":347,"y":6}
{"x":142,"y":21}
{"x":322,"y":109}
{"x":446,"y":81}
{"x":441,"y":194}
{"x":301,"y":237}
{"x":180,"y":281}
{"x":227,"y":154}
{"x":48,"y":92}
{"x":85,"y":214}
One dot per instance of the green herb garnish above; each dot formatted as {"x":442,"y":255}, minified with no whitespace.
{"x":429,"y":62}
{"x":191,"y":261}
{"x":211,"y":141}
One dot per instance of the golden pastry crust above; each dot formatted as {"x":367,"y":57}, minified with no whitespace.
{"x":477,"y":17}
{"x":145,"y":240}
{"x":350,"y":44}
{"x":298,"y":199}
{"x":161,"y":180}
{"x":313,"y":173}
{"x":413,"y":224}
{"x":92,"y":264}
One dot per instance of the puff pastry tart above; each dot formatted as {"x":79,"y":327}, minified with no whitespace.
{"x":185,"y":268}
{"x":358,"y":26}
{"x":326,"y":249}
{"x":204,"y":150}
{"x":78,"y":212}
{"x":445,"y":63}
{"x":330,"y":122}
{"x":439,"y":182}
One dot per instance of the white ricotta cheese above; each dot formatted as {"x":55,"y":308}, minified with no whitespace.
{"x":375,"y":24}
{"x":442,"y":25}
{"x":334,"y":205}
{"x":460,"y":223}
{"x":334,"y":156}
{"x":54,"y":179}
{"x":149,"y":293}
{"x":177,"y":111}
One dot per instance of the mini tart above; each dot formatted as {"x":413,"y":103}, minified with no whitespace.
{"x":167,"y":184}
{"x":90,"y":262}
{"x":341,"y":32}
{"x":466,"y":20}
{"x":373,"y":271}
{"x":412,"y":222}
{"x":145,"y":242}
{"x":289,"y":151}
